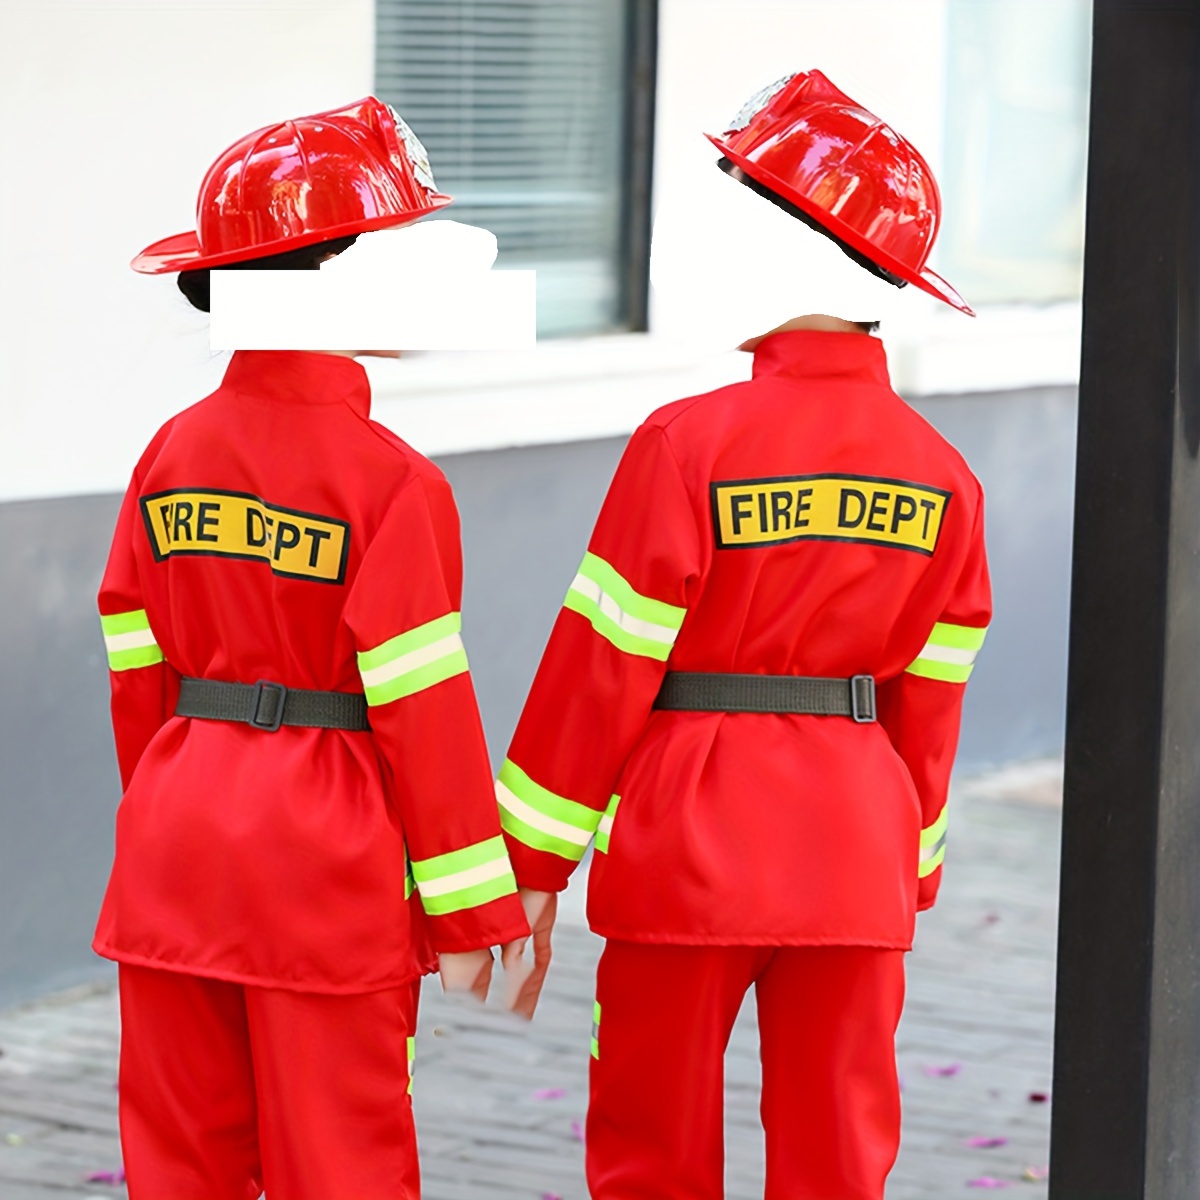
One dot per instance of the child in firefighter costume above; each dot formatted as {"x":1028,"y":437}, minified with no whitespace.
{"x":751,"y":701}
{"x":308,"y":823}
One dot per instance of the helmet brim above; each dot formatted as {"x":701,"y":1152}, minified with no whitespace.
{"x":182,"y":251}
{"x":925,"y":279}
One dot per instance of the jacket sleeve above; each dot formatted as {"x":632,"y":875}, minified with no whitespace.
{"x":144,"y":686}
{"x":921,"y":709}
{"x":403,"y":613}
{"x":602,"y":668}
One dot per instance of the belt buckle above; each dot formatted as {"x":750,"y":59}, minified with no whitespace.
{"x":864,"y":713}
{"x":264,"y":688}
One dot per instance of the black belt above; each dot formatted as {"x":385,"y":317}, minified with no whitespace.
{"x":266,"y":706}
{"x":693,"y":691}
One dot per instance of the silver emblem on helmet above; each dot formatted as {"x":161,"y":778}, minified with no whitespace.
{"x":417,"y":156}
{"x":758,"y":102}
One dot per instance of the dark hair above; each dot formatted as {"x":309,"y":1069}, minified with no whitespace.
{"x":868,"y":326}
{"x":195,"y":284}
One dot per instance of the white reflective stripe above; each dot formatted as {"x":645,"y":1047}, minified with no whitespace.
{"x":412,"y":660}
{"x":539,"y":820}
{"x":948,"y":654}
{"x":606,"y":824}
{"x":614,"y":612}
{"x":933,"y":851}
{"x":116,"y":642}
{"x":465,"y":879}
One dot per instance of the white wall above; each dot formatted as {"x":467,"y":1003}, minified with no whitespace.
{"x":109,"y":115}
{"x":727,"y":264}
{"x":111,"y":110}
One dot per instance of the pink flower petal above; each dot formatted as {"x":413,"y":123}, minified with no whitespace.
{"x":113,"y":1178}
{"x":549,"y":1093}
{"x":1036,"y":1173}
{"x":986,"y":1181}
{"x":944,"y":1072}
{"x":577,"y":1130}
{"x":985,"y":1143}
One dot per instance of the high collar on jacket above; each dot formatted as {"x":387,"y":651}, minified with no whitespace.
{"x":300,"y":377}
{"x":816,"y":354}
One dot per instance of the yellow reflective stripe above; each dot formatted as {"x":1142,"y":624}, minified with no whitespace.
{"x":632,"y":622}
{"x":604,"y":829}
{"x":964,"y":637}
{"x":930,"y":865}
{"x":129,"y":641}
{"x":949,"y":654}
{"x":465,"y":878}
{"x":932,"y":834}
{"x":596,"y":1030}
{"x":412,"y":1061}
{"x":933,"y":845}
{"x":542,"y":819}
{"x":413,"y":661}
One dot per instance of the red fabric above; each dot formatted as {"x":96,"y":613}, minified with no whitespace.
{"x":761,"y":828}
{"x":278,"y":859}
{"x":225,"y":1090}
{"x":830,"y":1101}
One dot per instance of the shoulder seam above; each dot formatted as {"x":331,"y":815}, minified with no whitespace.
{"x":403,"y":451}
{"x":687,"y":404}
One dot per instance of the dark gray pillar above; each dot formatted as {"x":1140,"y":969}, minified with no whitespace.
{"x":1126,"y":1123}
{"x":641,"y":87}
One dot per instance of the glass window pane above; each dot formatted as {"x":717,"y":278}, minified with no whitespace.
{"x":520,"y":104}
{"x":1013,"y":170}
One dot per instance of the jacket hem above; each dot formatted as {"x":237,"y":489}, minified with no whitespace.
{"x":311,"y":987}
{"x":698,"y":939}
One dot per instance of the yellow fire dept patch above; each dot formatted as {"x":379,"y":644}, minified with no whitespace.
{"x":829,"y":508}
{"x":295,"y":544}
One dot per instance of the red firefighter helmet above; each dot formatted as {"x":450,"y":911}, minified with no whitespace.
{"x":350,"y":170}
{"x":808,"y":147}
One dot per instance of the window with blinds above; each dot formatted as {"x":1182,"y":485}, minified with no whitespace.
{"x":523,"y":107}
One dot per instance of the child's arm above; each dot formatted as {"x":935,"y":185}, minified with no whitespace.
{"x":144,"y":685}
{"x":921,"y":709}
{"x":404,"y":615}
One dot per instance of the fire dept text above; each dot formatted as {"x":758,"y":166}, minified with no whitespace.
{"x":237,"y":525}
{"x":844,"y":508}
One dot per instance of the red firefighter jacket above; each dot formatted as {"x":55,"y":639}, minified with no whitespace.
{"x":807,"y":522}
{"x":274,"y":532}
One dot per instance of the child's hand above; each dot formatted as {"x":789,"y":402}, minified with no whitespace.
{"x":469,"y":971}
{"x":524,"y":979}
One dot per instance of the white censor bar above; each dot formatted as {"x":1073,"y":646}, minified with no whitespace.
{"x":322,"y":310}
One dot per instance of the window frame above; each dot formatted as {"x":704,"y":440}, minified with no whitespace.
{"x":636,"y":88}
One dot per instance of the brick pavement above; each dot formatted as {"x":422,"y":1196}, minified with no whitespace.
{"x":980,"y":1006}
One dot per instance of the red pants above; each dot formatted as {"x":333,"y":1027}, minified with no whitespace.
{"x":228,"y":1089}
{"x":827,"y":1021}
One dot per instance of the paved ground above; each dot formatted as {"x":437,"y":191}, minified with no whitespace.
{"x":974,"y":1046}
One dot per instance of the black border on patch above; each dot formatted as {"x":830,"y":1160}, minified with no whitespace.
{"x":822,"y":537}
{"x":144,"y":502}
